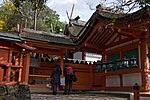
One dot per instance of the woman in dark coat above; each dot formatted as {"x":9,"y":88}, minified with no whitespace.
{"x":55,"y":78}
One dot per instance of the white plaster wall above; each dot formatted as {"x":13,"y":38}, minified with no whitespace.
{"x":149,"y":79}
{"x":144,"y":98}
{"x":112,"y":81}
{"x":77,"y":55}
{"x":131,"y":79}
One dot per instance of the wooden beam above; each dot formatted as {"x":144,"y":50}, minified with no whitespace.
{"x":20,"y":69}
{"x":108,"y":38}
{"x":144,"y":74}
{"x":132,"y":24}
{"x":103,"y":37}
{"x":93,"y":31}
{"x":47,"y":45}
{"x":48,"y":51}
{"x":94,"y":46}
{"x":62,"y":61}
{"x":25,"y":70}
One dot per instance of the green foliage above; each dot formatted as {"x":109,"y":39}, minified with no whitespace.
{"x":7,"y":9}
{"x":12,"y":21}
{"x":8,"y":15}
{"x":48,"y":20}
{"x":2,"y":25}
{"x":53,"y":23}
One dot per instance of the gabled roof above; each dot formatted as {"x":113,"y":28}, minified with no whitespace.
{"x":10,"y":36}
{"x":100,"y":32}
{"x":74,"y":27}
{"x":46,"y":37}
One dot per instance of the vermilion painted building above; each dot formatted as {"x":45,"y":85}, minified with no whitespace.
{"x":123,"y":43}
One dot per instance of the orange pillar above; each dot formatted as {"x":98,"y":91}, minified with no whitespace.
{"x":1,"y":74}
{"x":136,"y":95}
{"x":121,"y":82}
{"x":91,"y":75}
{"x":8,"y":71}
{"x":144,"y":73}
{"x":25,"y":70}
{"x":62,"y":62}
{"x":20,"y":69}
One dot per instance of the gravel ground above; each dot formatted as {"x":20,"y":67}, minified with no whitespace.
{"x":75,"y":97}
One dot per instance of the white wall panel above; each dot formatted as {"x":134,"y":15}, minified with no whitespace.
{"x":77,"y":55}
{"x":131,"y":79}
{"x":112,"y":81}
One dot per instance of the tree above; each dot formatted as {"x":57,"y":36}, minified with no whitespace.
{"x":37,"y":6}
{"x":47,"y":19}
{"x":125,"y":6}
{"x":53,"y":22}
{"x":8,"y":15}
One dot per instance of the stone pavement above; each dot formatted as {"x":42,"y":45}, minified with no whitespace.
{"x":75,"y":97}
{"x":45,"y":94}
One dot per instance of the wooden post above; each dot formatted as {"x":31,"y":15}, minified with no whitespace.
{"x":136,"y":91}
{"x":144,"y":73}
{"x":121,"y":82}
{"x":91,"y":75}
{"x":25,"y":70}
{"x":20,"y":69}
{"x":8,"y":70}
{"x":136,"y":95}
{"x":62,"y":62}
{"x":1,"y":74}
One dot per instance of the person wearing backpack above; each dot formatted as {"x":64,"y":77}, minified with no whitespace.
{"x":68,"y":73}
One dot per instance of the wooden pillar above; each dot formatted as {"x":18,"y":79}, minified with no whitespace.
{"x":144,"y":73}
{"x":8,"y":70}
{"x":1,"y":74}
{"x":121,"y":82}
{"x":104,"y":77}
{"x":25,"y":70}
{"x":62,"y":62}
{"x":83,"y":55}
{"x":91,"y":76}
{"x":136,"y":95}
{"x":20,"y":69}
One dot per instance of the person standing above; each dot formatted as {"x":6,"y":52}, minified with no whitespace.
{"x":68,"y":73}
{"x":55,"y":78}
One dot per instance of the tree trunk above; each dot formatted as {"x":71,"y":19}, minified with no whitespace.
{"x":35,"y":18}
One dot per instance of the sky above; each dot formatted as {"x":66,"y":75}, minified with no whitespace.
{"x":80,"y":9}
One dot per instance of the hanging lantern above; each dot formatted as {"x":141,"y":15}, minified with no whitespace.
{"x":110,"y":66}
{"x":99,"y":66}
{"x":104,"y":66}
{"x":118,"y":64}
{"x":125,"y":63}
{"x":133,"y":62}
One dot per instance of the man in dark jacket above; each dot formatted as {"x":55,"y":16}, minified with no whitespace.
{"x":68,"y":81}
{"x":55,"y":78}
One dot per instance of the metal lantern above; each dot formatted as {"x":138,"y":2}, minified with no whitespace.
{"x":104,"y":66}
{"x":125,"y":63}
{"x":133,"y":62}
{"x":118,"y":64}
{"x":110,"y":66}
{"x":99,"y":66}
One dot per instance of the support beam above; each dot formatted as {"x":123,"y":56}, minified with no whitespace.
{"x":25,"y":70}
{"x":144,"y":73}
{"x":8,"y":70}
{"x":20,"y":69}
{"x":62,"y":62}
